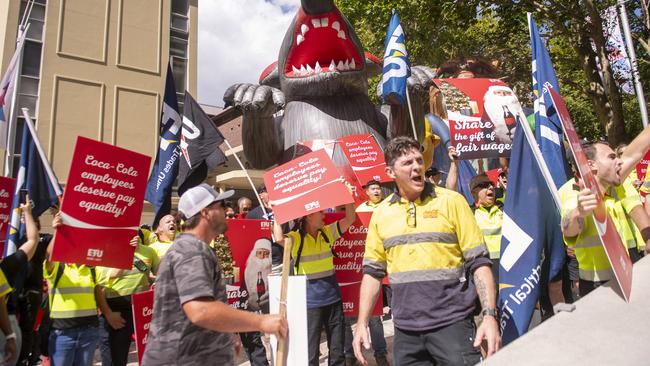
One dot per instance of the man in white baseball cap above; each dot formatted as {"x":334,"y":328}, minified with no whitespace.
{"x":191,"y":316}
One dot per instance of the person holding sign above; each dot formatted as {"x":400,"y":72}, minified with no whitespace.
{"x":313,"y":256}
{"x":191,"y":315}
{"x":426,"y":240}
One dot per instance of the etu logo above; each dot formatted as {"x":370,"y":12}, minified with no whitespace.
{"x":95,"y":253}
{"x":312,"y":205}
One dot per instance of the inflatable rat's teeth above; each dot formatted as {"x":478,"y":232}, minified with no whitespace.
{"x":317,"y":69}
{"x":299,"y":39}
{"x":342,"y":35}
{"x":336,"y":26}
{"x":304,"y":29}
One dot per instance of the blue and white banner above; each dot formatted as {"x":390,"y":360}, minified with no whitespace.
{"x":396,"y":63}
{"x":165,"y":168}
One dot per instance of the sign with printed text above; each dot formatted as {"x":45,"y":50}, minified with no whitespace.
{"x":304,"y":185}
{"x":102,"y":204}
{"x":642,"y":167}
{"x":250,"y":244}
{"x":7,"y":188}
{"x":142,"y":304}
{"x":482,"y":116}
{"x":348,"y":265}
{"x":609,"y":237}
{"x":365,"y":157}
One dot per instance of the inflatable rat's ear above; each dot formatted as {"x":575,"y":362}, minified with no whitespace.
{"x":373,"y":64}
{"x":270,"y":76}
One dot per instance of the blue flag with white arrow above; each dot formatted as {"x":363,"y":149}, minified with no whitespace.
{"x":396,"y":63}
{"x":165,"y":168}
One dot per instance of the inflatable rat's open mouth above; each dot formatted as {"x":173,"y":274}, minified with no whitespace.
{"x":321,"y":44}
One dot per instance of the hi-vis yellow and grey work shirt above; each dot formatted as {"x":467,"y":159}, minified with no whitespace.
{"x":428,"y":261}
{"x":592,"y":260}
{"x":72,"y":299}
{"x":490,"y":220}
{"x":5,"y":288}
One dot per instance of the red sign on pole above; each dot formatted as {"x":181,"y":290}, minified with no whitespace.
{"x":7,"y":188}
{"x":642,"y":167}
{"x":101,"y":205}
{"x":365,"y":157}
{"x":614,"y":247}
{"x":304,"y":185}
{"x":142,"y":304}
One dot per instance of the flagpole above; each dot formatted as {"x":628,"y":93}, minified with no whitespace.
{"x":248,"y":177}
{"x":41,"y":153}
{"x":633,"y":63}
{"x":408,"y":103}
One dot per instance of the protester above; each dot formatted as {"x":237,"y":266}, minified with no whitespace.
{"x":118,"y":286}
{"x":244,"y":205}
{"x":489,"y":217}
{"x":579,"y":203}
{"x":191,"y":317}
{"x":311,"y":250}
{"x":230,"y":211}
{"x":427,"y":241}
{"x":12,"y":270}
{"x":373,"y":190}
{"x":257,"y":213}
{"x":74,"y":296}
{"x":165,"y":234}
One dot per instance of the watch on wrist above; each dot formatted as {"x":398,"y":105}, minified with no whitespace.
{"x":10,"y":336}
{"x":490,"y":312}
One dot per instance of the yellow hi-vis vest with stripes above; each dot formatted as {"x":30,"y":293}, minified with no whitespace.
{"x":490,"y":221}
{"x":5,"y":288}
{"x":316,"y":259}
{"x":74,"y":294}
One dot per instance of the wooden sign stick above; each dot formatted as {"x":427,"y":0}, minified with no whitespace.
{"x":281,"y":355}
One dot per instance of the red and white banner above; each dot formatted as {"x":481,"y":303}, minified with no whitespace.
{"x":365,"y":157}
{"x":304,"y":185}
{"x":348,"y":265}
{"x":250,"y":244}
{"x":612,"y":243}
{"x":102,"y":204}
{"x":7,"y":188}
{"x":142,"y":304}
{"x":482,"y":116}
{"x":642,"y":167}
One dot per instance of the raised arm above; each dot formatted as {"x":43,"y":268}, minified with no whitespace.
{"x":635,"y":151}
{"x":348,"y":220}
{"x":29,"y":247}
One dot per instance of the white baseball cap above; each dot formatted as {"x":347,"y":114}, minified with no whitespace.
{"x":197,"y":198}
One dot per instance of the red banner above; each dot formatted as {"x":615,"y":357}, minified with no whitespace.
{"x":482,"y":116}
{"x":348,"y":264}
{"x":642,"y":167}
{"x":101,"y":205}
{"x":250,"y":244}
{"x":365,"y":157}
{"x":614,"y":247}
{"x":142,"y":304}
{"x":304,"y":185}
{"x":7,"y":188}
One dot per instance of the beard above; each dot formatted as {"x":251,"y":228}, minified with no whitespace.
{"x":253,"y":266}
{"x":493,"y":105}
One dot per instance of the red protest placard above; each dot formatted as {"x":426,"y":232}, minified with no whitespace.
{"x":642,"y":167}
{"x":142,"y":304}
{"x":7,"y":188}
{"x":482,"y":116}
{"x":304,"y":185}
{"x":102,"y":204}
{"x":348,"y":265}
{"x":614,"y":247}
{"x":365,"y":157}
{"x":250,"y":244}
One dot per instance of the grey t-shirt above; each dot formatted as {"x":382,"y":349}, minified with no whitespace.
{"x":190,"y":270}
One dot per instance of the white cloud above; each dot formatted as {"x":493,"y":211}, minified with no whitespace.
{"x":237,"y":40}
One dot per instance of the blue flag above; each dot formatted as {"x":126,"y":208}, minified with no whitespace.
{"x":549,"y":135}
{"x":165,"y":168}
{"x":36,"y":176}
{"x":396,"y":63}
{"x":530,"y":219}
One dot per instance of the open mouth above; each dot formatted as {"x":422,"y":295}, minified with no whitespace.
{"x":321,"y":44}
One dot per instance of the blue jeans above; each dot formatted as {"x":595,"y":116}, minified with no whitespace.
{"x":73,"y":347}
{"x":377,"y":339}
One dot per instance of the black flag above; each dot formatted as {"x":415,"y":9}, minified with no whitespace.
{"x":200,"y":140}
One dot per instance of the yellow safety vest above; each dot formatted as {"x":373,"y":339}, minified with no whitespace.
{"x":313,"y":257}
{"x":490,"y":221}
{"x":73,"y":295}
{"x":5,"y":288}
{"x":131,"y":281}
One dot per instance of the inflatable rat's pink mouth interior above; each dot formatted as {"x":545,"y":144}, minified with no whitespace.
{"x":321,"y":44}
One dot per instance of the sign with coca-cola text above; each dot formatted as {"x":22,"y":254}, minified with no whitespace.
{"x":102,"y":204}
{"x":482,"y":115}
{"x":305,"y":185}
{"x":365,"y":157}
{"x":642,"y":167}
{"x":142,"y":305}
{"x":250,"y":243}
{"x":7,"y":188}
{"x":609,"y":237}
{"x":348,"y":265}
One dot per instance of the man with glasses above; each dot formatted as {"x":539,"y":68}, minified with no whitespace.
{"x":489,"y":217}
{"x":426,"y":240}
{"x":191,"y":316}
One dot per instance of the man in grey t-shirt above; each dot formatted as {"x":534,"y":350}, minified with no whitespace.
{"x":191,"y":318}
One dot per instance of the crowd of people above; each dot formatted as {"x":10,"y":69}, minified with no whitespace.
{"x":439,"y":254}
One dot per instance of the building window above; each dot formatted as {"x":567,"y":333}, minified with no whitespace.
{"x":178,"y":46}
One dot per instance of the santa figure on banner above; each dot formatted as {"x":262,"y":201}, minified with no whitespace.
{"x":502,"y":108}
{"x":258,"y":268}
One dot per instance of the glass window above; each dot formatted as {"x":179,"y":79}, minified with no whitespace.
{"x":32,"y":58}
{"x":28,"y":85}
{"x":180,"y":6}
{"x":27,"y":101}
{"x":178,"y":47}
{"x":178,"y":68}
{"x":20,"y":122}
{"x":179,"y":22}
